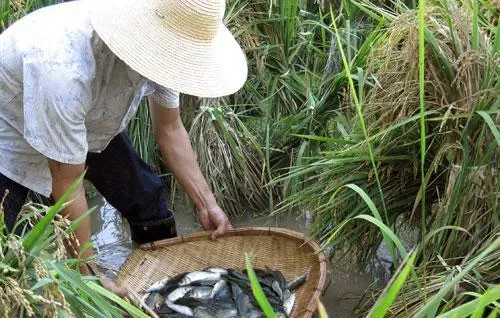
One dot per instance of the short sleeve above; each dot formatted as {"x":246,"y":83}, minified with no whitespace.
{"x":57,"y":96}
{"x":165,"y":97}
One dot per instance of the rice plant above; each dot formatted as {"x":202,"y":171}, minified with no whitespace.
{"x":389,"y":93}
{"x":12,"y":10}
{"x":433,"y":124}
{"x":441,"y":289}
{"x":140,"y":130}
{"x":39,"y":280}
{"x":231,"y":158}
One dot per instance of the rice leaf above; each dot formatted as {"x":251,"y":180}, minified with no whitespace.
{"x":132,"y":310}
{"x":431,"y":307}
{"x":76,"y":282}
{"x":321,"y":309}
{"x":7,"y":268}
{"x":429,"y":235}
{"x":257,"y":290}
{"x":326,"y":139}
{"x":380,"y":223}
{"x":474,"y":307}
{"x":475,"y":25}
{"x":387,"y":232}
{"x":393,"y":287}
{"x":36,"y":233}
{"x":79,"y":307}
{"x":42,"y":282}
{"x":359,"y":112}
{"x":421,"y":73}
{"x":491,"y":125}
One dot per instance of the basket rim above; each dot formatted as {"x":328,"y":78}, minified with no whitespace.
{"x":199,"y":236}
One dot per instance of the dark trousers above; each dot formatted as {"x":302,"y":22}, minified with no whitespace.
{"x":125,"y":181}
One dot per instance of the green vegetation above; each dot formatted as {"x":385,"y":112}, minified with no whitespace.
{"x":39,"y":280}
{"x":381,"y":113}
{"x":257,"y":290}
{"x":357,"y":111}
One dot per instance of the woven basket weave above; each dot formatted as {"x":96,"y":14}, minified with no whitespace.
{"x":280,"y":249}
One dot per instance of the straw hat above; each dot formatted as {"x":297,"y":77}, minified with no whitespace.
{"x":179,"y":44}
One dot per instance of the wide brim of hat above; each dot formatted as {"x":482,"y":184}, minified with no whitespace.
{"x":201,"y":68}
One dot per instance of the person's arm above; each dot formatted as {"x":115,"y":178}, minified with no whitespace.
{"x":173,"y":140}
{"x":63,"y":176}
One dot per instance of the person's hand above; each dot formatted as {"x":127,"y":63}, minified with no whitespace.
{"x":214,"y":219}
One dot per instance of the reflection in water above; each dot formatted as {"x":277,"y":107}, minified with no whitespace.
{"x":112,"y":236}
{"x":113,"y":244}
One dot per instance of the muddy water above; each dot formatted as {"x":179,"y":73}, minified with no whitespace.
{"x":112,"y":239}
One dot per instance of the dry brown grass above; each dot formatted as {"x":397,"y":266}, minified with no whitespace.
{"x":451,"y":91}
{"x":231,"y":158}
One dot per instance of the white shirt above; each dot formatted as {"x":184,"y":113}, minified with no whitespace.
{"x":63,"y":93}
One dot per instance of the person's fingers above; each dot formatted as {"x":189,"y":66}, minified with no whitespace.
{"x":205,"y":221}
{"x":218,"y":232}
{"x":222,"y":229}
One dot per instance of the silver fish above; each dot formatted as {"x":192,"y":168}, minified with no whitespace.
{"x":180,"y":309}
{"x":218,"y":270}
{"x":203,"y":312}
{"x":243,"y":304}
{"x":154,"y":300}
{"x":253,"y":314}
{"x":297,"y":282}
{"x":276,"y":288}
{"x":288,"y":304}
{"x":220,"y":285}
{"x":236,"y":290}
{"x":202,"y":292}
{"x":197,"y":276}
{"x":227,"y":313}
{"x":178,"y":293}
{"x":157,"y":286}
{"x":286,"y":294}
{"x":210,"y":283}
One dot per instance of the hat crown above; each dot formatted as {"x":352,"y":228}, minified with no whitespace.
{"x":194,"y":19}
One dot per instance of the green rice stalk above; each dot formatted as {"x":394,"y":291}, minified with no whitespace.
{"x":358,"y":108}
{"x":393,"y":287}
{"x":475,"y":25}
{"x":421,"y":72}
{"x":257,"y":290}
{"x":140,"y":132}
{"x":362,"y":122}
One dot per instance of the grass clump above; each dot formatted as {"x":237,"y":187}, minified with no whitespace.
{"x":230,"y":155}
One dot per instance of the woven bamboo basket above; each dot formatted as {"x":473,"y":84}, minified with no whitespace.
{"x":280,"y":249}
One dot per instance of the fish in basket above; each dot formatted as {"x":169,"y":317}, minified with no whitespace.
{"x":222,"y":293}
{"x":290,"y":268}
